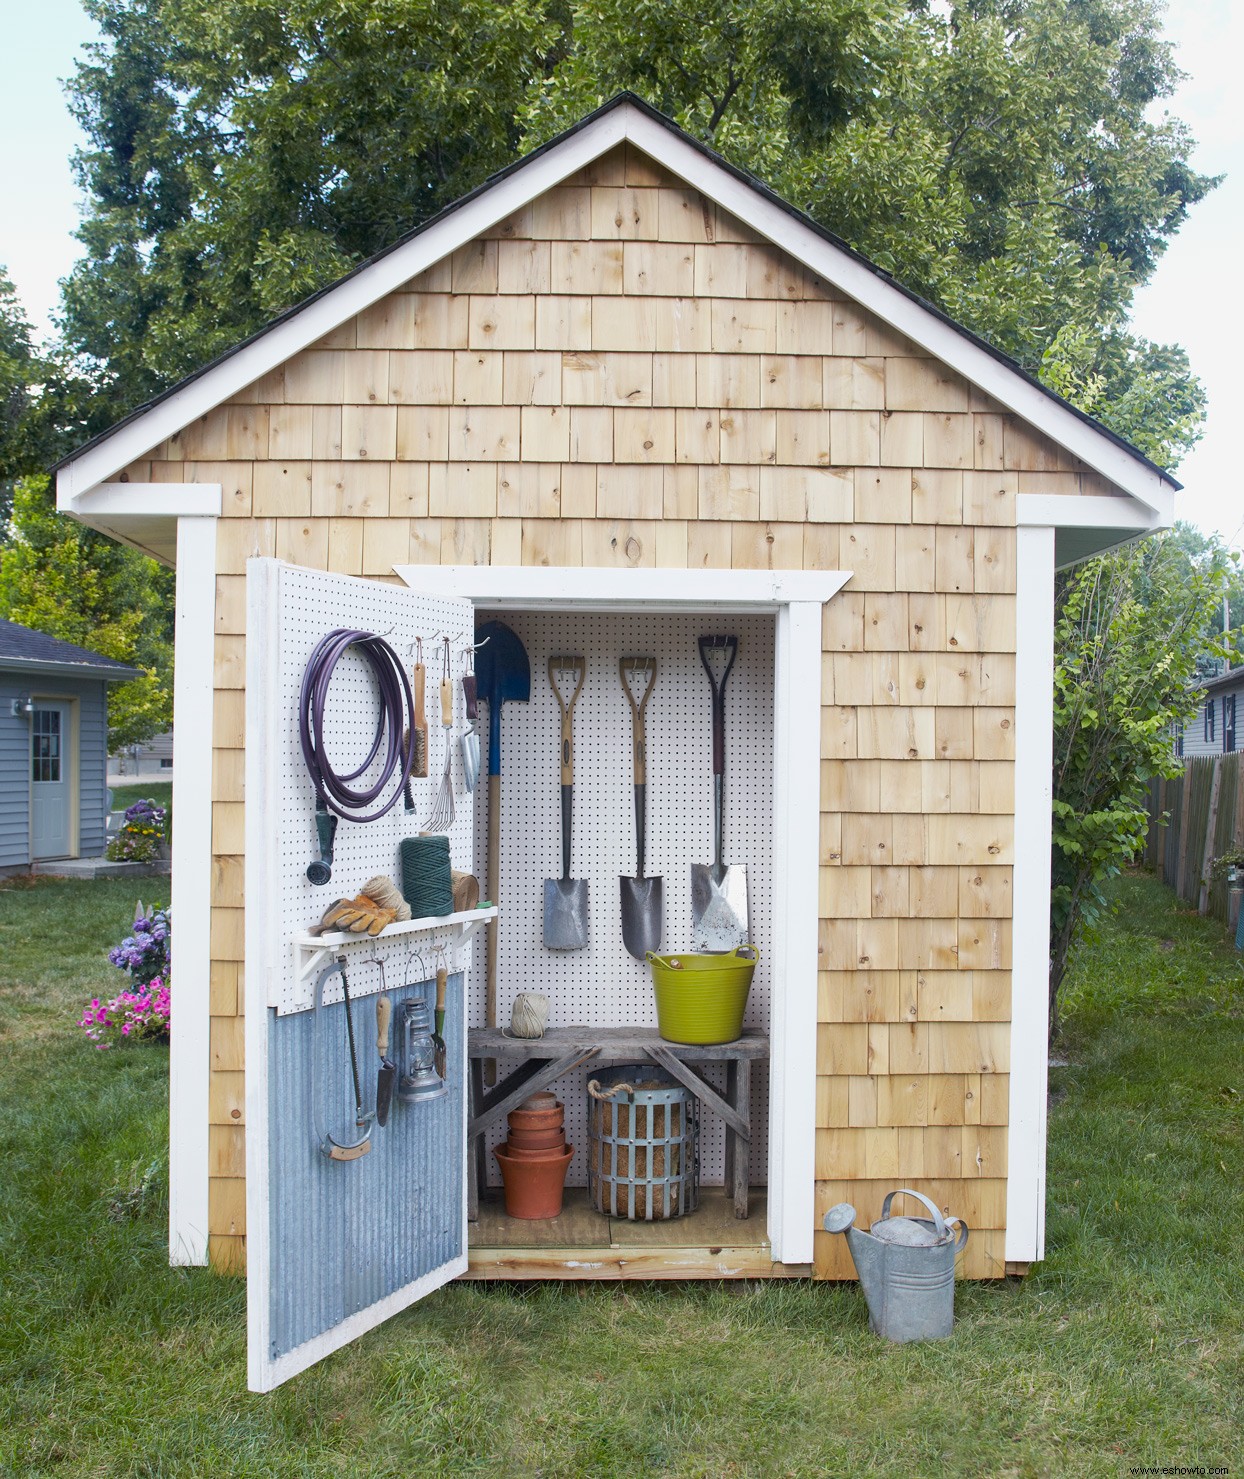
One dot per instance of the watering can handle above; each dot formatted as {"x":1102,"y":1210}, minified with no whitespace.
{"x":939,"y":1222}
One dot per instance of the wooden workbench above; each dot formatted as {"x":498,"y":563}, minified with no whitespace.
{"x":563,"y":1049}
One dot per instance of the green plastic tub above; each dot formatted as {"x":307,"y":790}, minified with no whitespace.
{"x":701,"y":998}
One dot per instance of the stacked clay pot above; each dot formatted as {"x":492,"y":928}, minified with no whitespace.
{"x":534,"y":1158}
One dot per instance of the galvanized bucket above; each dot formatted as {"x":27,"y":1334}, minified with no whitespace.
{"x":906,"y":1267}
{"x":643,"y":1145}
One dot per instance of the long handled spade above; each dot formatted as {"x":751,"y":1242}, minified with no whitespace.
{"x":565,"y":898}
{"x":643,"y":899}
{"x":719,"y":906}
{"x":503,"y":675}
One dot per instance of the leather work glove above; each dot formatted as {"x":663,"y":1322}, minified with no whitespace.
{"x":359,"y":915}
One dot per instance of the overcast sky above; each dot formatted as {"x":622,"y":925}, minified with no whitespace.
{"x":1193,"y":300}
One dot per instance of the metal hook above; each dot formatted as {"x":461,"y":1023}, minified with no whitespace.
{"x":415,"y":649}
{"x":376,"y":961}
{"x":422,"y":966}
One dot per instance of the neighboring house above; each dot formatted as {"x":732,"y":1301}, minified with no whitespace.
{"x":53,"y":747}
{"x":623,"y":381}
{"x":153,"y":759}
{"x":1215,"y":730}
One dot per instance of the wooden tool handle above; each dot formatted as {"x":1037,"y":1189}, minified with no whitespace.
{"x":447,"y":702}
{"x":384,"y":1011}
{"x":442,"y":979}
{"x":421,"y":688}
{"x":567,"y":749}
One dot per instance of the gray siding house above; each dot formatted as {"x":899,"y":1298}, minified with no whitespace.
{"x":53,"y":747}
{"x":1216,"y":728}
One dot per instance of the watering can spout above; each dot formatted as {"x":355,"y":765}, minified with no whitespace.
{"x":866,"y":1252}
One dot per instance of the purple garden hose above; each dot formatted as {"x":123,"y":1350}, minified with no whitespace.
{"x":334,"y":795}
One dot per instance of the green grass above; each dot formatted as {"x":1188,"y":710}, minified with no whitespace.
{"x":161,"y":792}
{"x":1125,"y":1347}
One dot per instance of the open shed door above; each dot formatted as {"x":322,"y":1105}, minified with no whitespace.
{"x":334,"y":1247}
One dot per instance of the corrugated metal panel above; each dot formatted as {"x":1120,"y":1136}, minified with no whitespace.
{"x":346,"y":1234}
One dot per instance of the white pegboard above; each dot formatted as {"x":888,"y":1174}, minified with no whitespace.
{"x":309,"y":604}
{"x":603,"y":985}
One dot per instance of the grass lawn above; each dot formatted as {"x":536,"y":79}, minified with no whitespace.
{"x":123,"y":795}
{"x":1125,"y":1347}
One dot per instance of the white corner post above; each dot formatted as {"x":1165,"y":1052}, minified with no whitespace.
{"x":796,"y":880}
{"x":1034,"y":759}
{"x":190,"y":1054}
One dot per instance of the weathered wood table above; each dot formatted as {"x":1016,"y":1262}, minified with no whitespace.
{"x":563,"y":1049}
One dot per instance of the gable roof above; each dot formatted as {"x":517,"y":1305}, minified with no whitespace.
{"x":23,"y":649}
{"x":625,"y":117}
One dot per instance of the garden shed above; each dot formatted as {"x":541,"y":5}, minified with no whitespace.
{"x":53,"y":747}
{"x":618,"y":398}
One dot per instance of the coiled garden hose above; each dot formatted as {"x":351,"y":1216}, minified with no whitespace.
{"x":335,"y":796}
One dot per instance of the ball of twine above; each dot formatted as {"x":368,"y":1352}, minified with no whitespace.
{"x":529,"y":1014}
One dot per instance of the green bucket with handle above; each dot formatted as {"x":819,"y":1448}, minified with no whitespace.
{"x":701,"y":998}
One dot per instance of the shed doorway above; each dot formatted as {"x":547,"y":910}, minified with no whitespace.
{"x":601,"y":988}
{"x":790,"y":605}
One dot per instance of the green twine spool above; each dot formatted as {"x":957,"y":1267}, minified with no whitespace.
{"x":427,"y":884}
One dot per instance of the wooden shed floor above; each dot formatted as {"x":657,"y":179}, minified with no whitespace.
{"x":711,"y":1243}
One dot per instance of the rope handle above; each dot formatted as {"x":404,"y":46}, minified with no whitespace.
{"x":595,"y":1090}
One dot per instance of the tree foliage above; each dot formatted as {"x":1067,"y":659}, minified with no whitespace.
{"x":1129,"y":630}
{"x":1002,"y":157}
{"x":59,"y":577}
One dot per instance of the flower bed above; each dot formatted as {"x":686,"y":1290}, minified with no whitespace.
{"x":142,"y":834}
{"x":142,"y":1011}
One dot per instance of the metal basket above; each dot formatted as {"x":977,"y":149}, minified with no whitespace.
{"x":643,"y":1144}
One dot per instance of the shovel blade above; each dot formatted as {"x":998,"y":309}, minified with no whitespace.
{"x":643,"y":914}
{"x":470,"y":758}
{"x":565,"y":913}
{"x":385,"y":1080}
{"x":719,"y":911}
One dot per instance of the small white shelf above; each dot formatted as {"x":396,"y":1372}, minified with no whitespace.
{"x":310,"y":950}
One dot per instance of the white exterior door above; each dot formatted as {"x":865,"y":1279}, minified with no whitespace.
{"x":51,"y":775}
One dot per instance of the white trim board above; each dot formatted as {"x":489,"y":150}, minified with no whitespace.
{"x":190,"y":1050}
{"x":605,"y":588}
{"x":665,"y":143}
{"x":797,"y":597}
{"x":1030,"y":969}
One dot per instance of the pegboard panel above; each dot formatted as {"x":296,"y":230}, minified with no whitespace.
{"x":308,"y":605}
{"x":602,"y":984}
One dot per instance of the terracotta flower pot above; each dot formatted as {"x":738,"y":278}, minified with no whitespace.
{"x":533,"y":1189}
{"x":539,"y":1139}
{"x":539,"y":1153}
{"x":537,"y":1119}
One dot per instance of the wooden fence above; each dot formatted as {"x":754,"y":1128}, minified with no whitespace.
{"x":1205,"y":809}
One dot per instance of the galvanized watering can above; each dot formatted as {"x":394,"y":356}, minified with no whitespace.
{"x":906,"y":1267}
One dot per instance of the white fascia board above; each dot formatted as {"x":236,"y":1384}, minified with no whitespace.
{"x":942,"y":340}
{"x":114,"y":501}
{"x":348,"y":298}
{"x":588,"y":588}
{"x":1066,"y":511}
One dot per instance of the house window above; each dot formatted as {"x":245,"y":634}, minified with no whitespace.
{"x":45,"y":745}
{"x":1179,"y":740}
{"x":1228,"y":724}
{"x":1209,"y":722}
{"x":166,"y":762}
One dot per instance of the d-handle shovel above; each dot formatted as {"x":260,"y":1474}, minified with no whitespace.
{"x":565,"y":898}
{"x":643,"y":899}
{"x":719,"y":907}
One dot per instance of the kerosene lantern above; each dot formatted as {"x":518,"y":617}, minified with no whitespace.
{"x":419,"y":1079}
